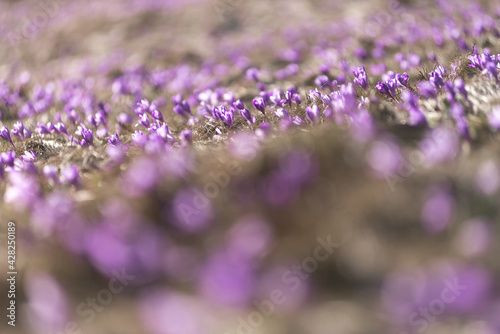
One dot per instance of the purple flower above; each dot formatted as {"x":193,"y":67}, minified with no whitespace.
{"x":239,"y":105}
{"x":259,"y":104}
{"x":88,"y":138}
{"x":402,"y":79}
{"x":113,"y":140}
{"x":361,"y":78}
{"x":388,"y":88}
{"x":427,"y":89}
{"x":144,"y":120}
{"x":252,"y":74}
{"x":298,"y":121}
{"x":61,"y":128}
{"x":5,"y":135}
{"x":245,"y":113}
{"x":313,"y":114}
{"x":179,"y":110}
{"x":436,"y":77}
{"x":322,"y":81}
{"x":225,"y":115}
{"x":282,"y":114}
{"x":28,"y":156}
{"x":157,"y":115}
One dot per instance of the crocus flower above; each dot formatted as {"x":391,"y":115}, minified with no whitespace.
{"x":388,"y":88}
{"x":361,"y":78}
{"x":28,"y":156}
{"x":245,"y":113}
{"x":313,"y":114}
{"x":61,"y":128}
{"x":402,"y":79}
{"x":239,"y":105}
{"x":88,"y":138}
{"x":252,"y":74}
{"x":283,"y":114}
{"x":298,"y":121}
{"x":144,"y":120}
{"x":259,"y":104}
{"x":5,"y":135}
{"x":157,"y":115}
{"x":179,"y":110}
{"x":113,"y":140}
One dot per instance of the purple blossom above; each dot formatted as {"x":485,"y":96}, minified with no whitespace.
{"x":427,"y":89}
{"x":28,"y":156}
{"x":61,"y":129}
{"x":5,"y":135}
{"x":282,"y":114}
{"x":402,"y":79}
{"x":144,"y":120}
{"x":245,"y":113}
{"x":313,"y":114}
{"x":388,"y":88}
{"x":239,"y":105}
{"x":113,"y":140}
{"x":361,"y":78}
{"x":88,"y":138}
{"x":260,"y":104}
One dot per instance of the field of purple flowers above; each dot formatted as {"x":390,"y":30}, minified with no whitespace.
{"x":247,"y":167}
